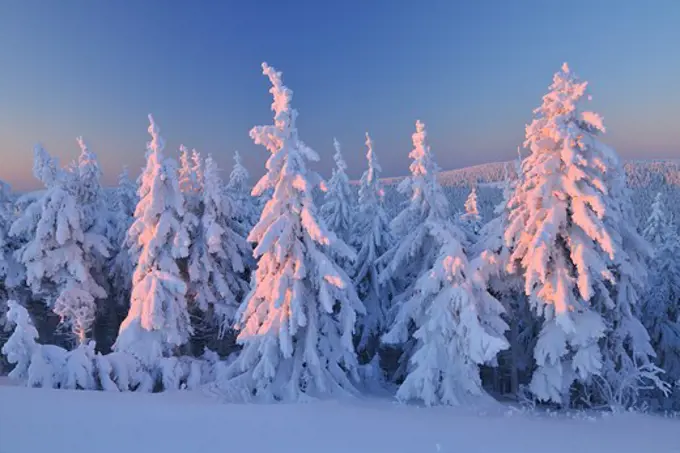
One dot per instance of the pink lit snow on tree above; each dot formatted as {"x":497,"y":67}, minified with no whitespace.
{"x":582,"y":261}
{"x":297,"y":323}
{"x":158,"y":321}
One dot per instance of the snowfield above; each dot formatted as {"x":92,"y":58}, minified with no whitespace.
{"x":40,"y":420}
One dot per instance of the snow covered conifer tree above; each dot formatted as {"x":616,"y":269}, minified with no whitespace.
{"x":494,"y":254}
{"x":121,"y":266}
{"x":661,"y":309}
{"x":58,"y":249}
{"x":45,"y":167}
{"x":471,"y":220}
{"x":218,"y":264}
{"x":197,"y":167}
{"x":337,"y":208}
{"x":414,"y":250}
{"x":238,"y":188}
{"x":91,"y":198}
{"x":158,"y":320}
{"x":471,"y":203}
{"x":447,"y":320}
{"x":11,"y":272}
{"x":372,"y":237}
{"x":581,"y":259}
{"x":191,"y":184}
{"x":189,"y":173}
{"x":239,"y":178}
{"x":297,"y":322}
{"x":126,"y":196}
{"x":96,"y":215}
{"x":21,"y":345}
{"x":50,"y":366}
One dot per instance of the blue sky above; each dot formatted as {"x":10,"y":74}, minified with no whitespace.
{"x":472,"y":71}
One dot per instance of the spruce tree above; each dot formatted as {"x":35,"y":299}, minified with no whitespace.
{"x":158,"y":321}
{"x":447,"y":321}
{"x":494,"y":254}
{"x":297,"y":322}
{"x":189,"y":175}
{"x":219,"y":254}
{"x":11,"y":271}
{"x":60,"y":248}
{"x":661,"y":308}
{"x":337,"y":208}
{"x":238,"y":189}
{"x":581,"y":259}
{"x":471,"y":221}
{"x":121,"y":266}
{"x":190,"y":180}
{"x":372,"y":238}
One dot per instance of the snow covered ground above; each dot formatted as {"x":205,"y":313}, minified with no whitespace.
{"x":40,"y":420}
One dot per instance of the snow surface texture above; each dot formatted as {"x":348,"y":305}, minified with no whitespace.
{"x":188,"y":422}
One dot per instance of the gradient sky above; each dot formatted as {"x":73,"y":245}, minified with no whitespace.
{"x":473,"y":71}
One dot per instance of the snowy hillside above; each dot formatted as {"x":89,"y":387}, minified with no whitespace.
{"x":641,"y":173}
{"x":645,"y":177}
{"x":191,"y":422}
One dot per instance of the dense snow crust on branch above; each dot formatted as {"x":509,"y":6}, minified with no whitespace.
{"x":573,"y":241}
{"x":447,"y":320}
{"x":298,"y":320}
{"x":158,"y":321}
